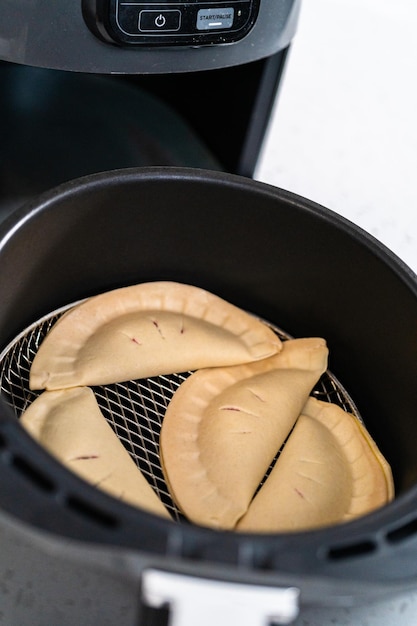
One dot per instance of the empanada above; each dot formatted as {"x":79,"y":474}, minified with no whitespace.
{"x":329,"y":471}
{"x":147,"y":330}
{"x":224,"y":426}
{"x":70,"y":426}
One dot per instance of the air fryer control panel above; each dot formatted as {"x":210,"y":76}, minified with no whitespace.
{"x":170,"y":23}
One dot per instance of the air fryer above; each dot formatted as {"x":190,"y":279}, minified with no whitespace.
{"x":129,"y":136}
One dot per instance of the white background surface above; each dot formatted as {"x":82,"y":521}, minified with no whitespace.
{"x":344,"y":128}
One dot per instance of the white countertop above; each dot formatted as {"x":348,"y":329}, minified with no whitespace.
{"x":344,"y":128}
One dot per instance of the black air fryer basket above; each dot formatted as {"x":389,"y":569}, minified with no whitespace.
{"x":71,"y":554}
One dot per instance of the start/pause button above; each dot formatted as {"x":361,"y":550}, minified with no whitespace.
{"x":208,"y":19}
{"x":166,"y":20}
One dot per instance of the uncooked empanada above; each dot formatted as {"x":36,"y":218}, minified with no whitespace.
{"x":224,"y":426}
{"x":329,"y":471}
{"x":147,"y":330}
{"x":69,"y":424}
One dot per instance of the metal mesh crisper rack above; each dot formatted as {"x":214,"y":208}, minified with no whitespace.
{"x":135,"y":409}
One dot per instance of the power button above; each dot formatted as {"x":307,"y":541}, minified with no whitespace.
{"x":156,"y":21}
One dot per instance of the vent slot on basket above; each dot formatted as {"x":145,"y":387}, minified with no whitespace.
{"x":353,"y":550}
{"x":93,"y":513}
{"x":403,"y":532}
{"x":36,"y":476}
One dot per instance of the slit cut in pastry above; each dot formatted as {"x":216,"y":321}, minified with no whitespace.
{"x":70,"y":426}
{"x":147,"y":330}
{"x":329,"y":471}
{"x":224,"y":426}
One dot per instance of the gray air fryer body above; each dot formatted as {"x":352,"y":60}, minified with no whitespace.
{"x":114,"y":36}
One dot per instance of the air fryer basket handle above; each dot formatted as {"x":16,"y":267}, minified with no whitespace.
{"x":205,"y":602}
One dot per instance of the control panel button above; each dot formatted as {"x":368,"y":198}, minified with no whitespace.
{"x":155,"y":21}
{"x":209,"y":19}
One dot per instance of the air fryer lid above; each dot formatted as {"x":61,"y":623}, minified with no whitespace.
{"x":270,"y":252}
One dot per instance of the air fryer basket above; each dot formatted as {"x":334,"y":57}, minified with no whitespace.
{"x":277,"y":255}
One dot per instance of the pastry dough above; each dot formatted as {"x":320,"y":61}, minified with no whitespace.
{"x":224,"y":426}
{"x":329,"y":471}
{"x":147,"y":330}
{"x":70,"y":425}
